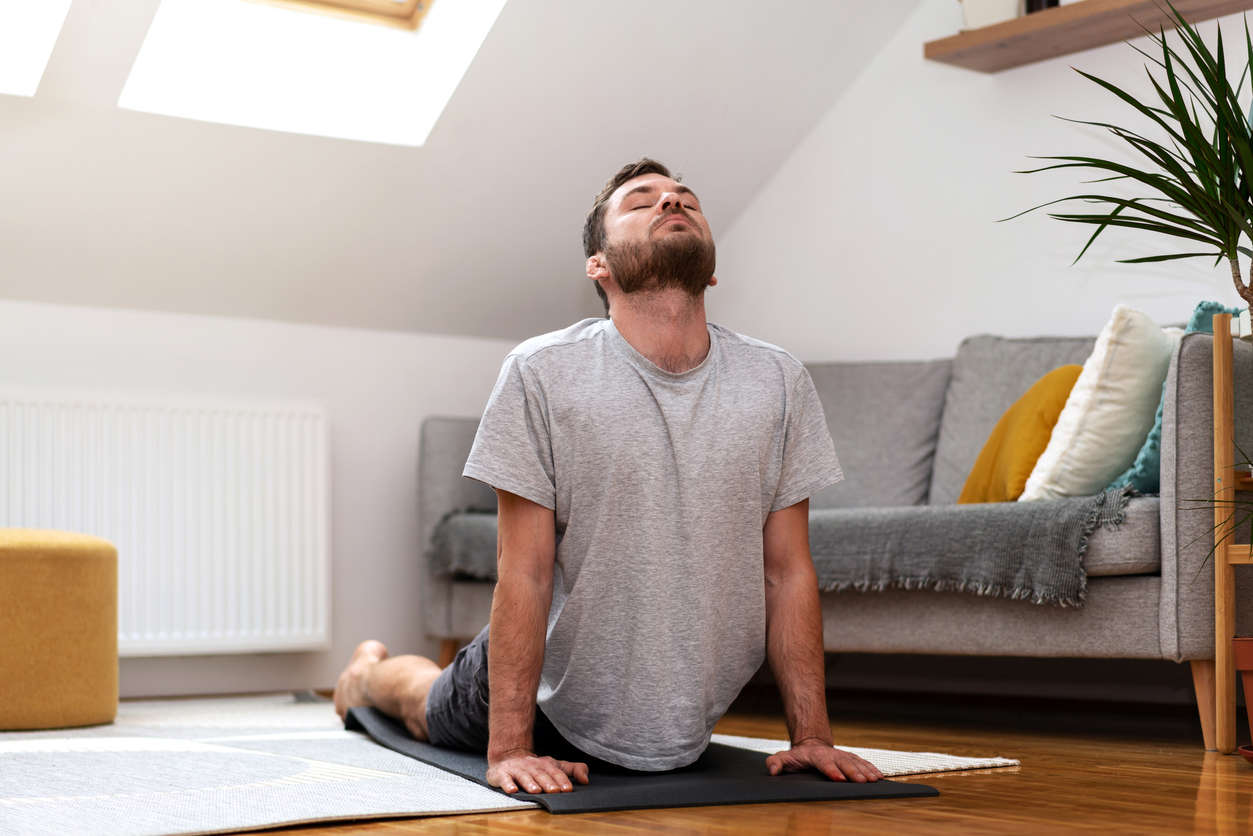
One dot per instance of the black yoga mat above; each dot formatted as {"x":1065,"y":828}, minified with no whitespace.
{"x":722,"y":775}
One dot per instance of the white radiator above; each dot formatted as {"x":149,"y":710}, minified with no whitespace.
{"x":219,"y":511}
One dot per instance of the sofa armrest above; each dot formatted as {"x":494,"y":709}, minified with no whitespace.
{"x":443,"y":448}
{"x":1187,"y":602}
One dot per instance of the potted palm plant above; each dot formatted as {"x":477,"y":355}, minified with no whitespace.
{"x":1198,"y":189}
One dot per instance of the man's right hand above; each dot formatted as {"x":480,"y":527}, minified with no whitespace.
{"x":521,"y":769}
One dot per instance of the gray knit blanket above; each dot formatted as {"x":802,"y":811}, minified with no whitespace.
{"x":1032,"y":551}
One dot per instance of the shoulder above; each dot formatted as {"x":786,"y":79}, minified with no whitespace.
{"x":581,"y":336}
{"x":759,"y":356}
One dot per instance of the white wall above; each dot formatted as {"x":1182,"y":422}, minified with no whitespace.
{"x":876,"y":238}
{"x":377,"y":387}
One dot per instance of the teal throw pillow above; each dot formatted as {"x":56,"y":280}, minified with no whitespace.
{"x":1145,"y":473}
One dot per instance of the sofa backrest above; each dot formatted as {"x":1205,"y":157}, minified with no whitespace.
{"x":989,"y":374}
{"x":884,"y":419}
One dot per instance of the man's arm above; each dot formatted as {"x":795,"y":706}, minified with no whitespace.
{"x":794,"y":650}
{"x":525,"y":553}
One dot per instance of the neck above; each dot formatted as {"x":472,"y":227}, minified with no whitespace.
{"x":666,"y":326}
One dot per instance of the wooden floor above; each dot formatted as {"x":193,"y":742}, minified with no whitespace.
{"x":1084,"y":769}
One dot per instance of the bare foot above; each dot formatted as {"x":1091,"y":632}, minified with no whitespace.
{"x":350,"y":690}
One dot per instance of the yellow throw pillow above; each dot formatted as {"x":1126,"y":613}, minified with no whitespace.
{"x":1019,"y":438}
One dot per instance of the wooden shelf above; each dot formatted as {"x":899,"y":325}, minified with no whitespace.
{"x":1062,"y":30}
{"x":1238,"y":554}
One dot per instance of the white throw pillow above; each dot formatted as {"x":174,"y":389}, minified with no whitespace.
{"x":1109,"y":412}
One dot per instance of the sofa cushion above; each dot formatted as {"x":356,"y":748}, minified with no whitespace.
{"x":989,"y":374}
{"x":1133,"y":548}
{"x":1006,"y":460}
{"x":1130,"y":548}
{"x":1144,"y":474}
{"x":883,"y":418}
{"x":1109,"y":412}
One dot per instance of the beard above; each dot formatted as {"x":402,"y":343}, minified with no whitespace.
{"x":685,"y":261}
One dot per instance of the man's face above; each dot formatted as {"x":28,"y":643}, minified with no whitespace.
{"x":656,"y":237}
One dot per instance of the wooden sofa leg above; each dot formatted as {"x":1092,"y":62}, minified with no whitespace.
{"x":1203,"y":685}
{"x":448,"y":650}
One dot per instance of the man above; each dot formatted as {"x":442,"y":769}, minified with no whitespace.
{"x":653,"y":474}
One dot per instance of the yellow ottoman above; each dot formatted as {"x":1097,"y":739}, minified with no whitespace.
{"x":58,"y":629}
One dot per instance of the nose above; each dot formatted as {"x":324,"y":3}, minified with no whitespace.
{"x":670,"y":201}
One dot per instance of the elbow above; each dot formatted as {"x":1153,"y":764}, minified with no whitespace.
{"x":786,"y":573}
{"x":524,"y":573}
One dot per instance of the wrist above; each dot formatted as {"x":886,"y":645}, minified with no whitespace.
{"x":508,"y":748}
{"x":824,"y":740}
{"x":500,"y":753}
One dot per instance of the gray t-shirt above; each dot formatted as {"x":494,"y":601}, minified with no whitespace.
{"x":661,"y":484}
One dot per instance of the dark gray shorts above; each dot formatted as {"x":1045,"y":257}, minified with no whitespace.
{"x":456,"y":711}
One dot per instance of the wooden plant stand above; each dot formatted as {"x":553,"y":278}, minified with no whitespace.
{"x":1227,"y":555}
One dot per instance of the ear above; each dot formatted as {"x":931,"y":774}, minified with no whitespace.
{"x":713,"y":280}
{"x":597,"y":268}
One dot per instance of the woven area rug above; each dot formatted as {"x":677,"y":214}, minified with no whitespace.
{"x":241,"y":763}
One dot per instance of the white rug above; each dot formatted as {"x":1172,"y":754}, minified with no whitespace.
{"x":239,"y":763}
{"x":890,"y":762}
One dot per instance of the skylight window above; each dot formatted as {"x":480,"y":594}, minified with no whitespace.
{"x":28,"y":32}
{"x":407,"y":14}
{"x":262,"y":65}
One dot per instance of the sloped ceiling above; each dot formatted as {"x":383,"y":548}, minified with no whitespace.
{"x":477,"y":232}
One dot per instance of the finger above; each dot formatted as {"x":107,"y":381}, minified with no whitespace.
{"x":545,"y":781}
{"x":553,"y":779}
{"x":855,"y":771}
{"x":774,"y":764}
{"x":571,"y":770}
{"x":858,"y":763}
{"x":540,"y":776}
{"x":504,"y":782}
{"x":838,"y":766}
{"x":833,"y":771}
{"x":850,"y":768}
{"x":541,"y":770}
{"x":872,"y":772}
{"x":857,"y":768}
{"x":581,"y":773}
{"x":525,"y":780}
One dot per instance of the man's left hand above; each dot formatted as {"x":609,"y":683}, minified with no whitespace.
{"x":834,"y":763}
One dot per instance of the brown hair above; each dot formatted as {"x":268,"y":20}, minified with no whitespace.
{"x":594,"y":226}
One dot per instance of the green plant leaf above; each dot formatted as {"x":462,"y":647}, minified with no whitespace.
{"x":1163,"y":229}
{"x":1199,"y":90}
{"x":1169,"y":188}
{"x":1146,"y":259}
{"x":1152,"y":113}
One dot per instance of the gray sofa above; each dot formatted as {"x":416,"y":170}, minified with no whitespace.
{"x":907,"y":434}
